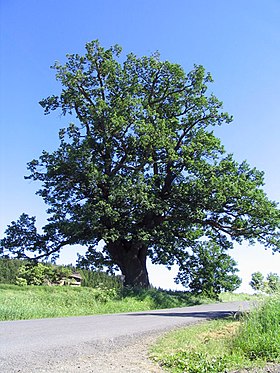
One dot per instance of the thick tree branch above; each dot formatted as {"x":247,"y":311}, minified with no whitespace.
{"x":99,"y":77}
{"x":81,"y":119}
{"x":49,"y":252}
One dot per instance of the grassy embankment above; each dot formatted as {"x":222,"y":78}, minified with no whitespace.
{"x":100,"y":293}
{"x":224,"y":345}
{"x":28,"y":302}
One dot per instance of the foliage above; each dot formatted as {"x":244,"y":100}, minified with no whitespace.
{"x":273,"y":283}
{"x":140,"y":168}
{"x":257,"y":281}
{"x":30,"y":274}
{"x":270,"y":286}
{"x":99,"y":279}
{"x":209,"y":271}
{"x":41,"y":274}
{"x":224,"y":345}
{"x":9,"y":270}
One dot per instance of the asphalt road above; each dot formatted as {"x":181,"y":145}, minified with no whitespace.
{"x":31,"y":345}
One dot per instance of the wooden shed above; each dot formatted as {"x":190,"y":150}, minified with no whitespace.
{"x":75,"y":279}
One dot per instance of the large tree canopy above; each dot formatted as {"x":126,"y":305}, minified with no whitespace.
{"x":140,"y":168}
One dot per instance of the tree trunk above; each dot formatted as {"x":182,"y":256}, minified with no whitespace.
{"x":131,"y":257}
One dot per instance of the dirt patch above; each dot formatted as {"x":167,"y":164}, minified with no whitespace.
{"x":225,"y":332}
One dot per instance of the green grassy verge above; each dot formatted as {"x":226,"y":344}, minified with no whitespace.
{"x":232,"y":297}
{"x":28,"y":302}
{"x":224,"y":345}
{"x":259,"y":336}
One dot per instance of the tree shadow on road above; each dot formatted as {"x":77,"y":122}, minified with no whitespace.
{"x":203,"y":315}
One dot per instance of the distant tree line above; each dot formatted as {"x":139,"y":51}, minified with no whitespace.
{"x":23,"y":272}
{"x":269,"y":285}
{"x":9,"y":270}
{"x":212,"y":272}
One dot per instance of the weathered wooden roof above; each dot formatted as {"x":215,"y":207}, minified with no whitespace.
{"x":76,"y":276}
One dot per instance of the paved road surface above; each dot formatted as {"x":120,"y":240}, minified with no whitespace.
{"x":35,"y":345}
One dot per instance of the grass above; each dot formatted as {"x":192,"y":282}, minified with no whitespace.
{"x":224,"y":345}
{"x":29,"y":302}
{"x":212,"y":347}
{"x":259,"y":337}
{"x":232,"y":297}
{"x":196,"y":349}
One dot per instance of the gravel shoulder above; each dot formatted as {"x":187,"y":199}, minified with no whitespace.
{"x":127,"y":358}
{"x":122,"y":356}
{"x":269,"y":368}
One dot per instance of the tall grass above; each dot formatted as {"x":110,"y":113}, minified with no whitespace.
{"x":196,"y":349}
{"x":224,"y":345}
{"x":259,"y":336}
{"x":27,"y":302}
{"x":232,"y":297}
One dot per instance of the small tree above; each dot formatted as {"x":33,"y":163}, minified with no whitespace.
{"x":270,"y":285}
{"x":31,"y":274}
{"x":257,"y":281}
{"x":209,"y":270}
{"x":41,"y":274}
{"x":273,"y":283}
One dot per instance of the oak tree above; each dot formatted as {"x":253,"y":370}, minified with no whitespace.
{"x":140,"y":168}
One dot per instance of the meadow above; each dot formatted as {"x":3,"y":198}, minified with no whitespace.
{"x":30,"y":301}
{"x":24,"y":293}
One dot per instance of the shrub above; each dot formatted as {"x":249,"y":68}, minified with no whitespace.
{"x":257,"y":281}
{"x":41,"y":274}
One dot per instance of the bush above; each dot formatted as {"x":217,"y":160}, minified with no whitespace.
{"x":209,"y":271}
{"x":104,"y":295}
{"x":273,"y":283}
{"x":41,"y":274}
{"x":257,"y":281}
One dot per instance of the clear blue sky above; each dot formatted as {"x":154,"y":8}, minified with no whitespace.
{"x":237,"y":41}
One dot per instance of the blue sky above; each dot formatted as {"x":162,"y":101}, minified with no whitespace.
{"x":237,"y":41}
